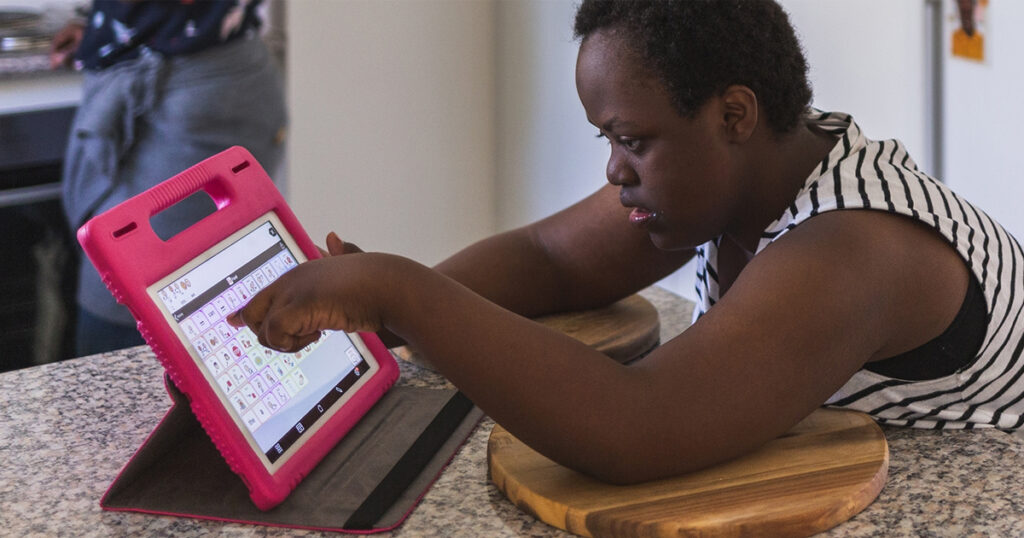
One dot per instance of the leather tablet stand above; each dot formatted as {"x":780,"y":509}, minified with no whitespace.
{"x":370,"y":481}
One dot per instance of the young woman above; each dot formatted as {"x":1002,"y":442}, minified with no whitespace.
{"x":831,"y":270}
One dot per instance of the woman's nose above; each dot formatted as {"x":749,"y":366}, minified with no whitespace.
{"x":618,"y":171}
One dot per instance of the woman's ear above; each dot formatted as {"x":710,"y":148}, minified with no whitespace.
{"x":740,"y":112}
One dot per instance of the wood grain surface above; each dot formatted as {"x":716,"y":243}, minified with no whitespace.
{"x":822,"y":472}
{"x":624,"y":331}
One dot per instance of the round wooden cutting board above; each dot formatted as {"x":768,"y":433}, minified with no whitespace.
{"x":825,"y":470}
{"x":624,"y":331}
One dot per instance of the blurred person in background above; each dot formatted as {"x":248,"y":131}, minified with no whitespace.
{"x":167,"y":84}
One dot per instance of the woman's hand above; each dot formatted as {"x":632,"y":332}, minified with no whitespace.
{"x":337,"y":247}
{"x":347,"y":293}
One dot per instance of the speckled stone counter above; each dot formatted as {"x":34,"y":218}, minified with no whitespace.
{"x":66,"y":430}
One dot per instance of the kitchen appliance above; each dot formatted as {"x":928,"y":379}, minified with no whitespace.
{"x":39,"y":261}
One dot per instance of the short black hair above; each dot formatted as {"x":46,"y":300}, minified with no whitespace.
{"x":698,"y":48}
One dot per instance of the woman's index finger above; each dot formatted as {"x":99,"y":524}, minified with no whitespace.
{"x":253,"y":313}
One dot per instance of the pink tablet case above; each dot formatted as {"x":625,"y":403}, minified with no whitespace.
{"x":130,"y":257}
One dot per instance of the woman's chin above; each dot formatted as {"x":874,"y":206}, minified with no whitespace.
{"x":667,"y":242}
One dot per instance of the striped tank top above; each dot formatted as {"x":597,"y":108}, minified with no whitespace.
{"x":864,"y":174}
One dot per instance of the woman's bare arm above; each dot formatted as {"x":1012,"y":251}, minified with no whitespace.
{"x":799,"y":321}
{"x":585,"y":256}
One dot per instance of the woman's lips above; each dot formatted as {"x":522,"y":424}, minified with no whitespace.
{"x":638,"y":216}
{"x":641,"y":217}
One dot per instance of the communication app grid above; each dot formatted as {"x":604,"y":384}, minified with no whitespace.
{"x":278,"y":396}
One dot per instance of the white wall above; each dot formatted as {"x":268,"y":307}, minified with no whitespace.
{"x":984,"y":114}
{"x":869,"y":58}
{"x":392,"y":122}
{"x":548,"y":156}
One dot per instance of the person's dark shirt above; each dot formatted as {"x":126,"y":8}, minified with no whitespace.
{"x":117,"y":31}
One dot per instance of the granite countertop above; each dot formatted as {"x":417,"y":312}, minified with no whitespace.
{"x":67,"y":429}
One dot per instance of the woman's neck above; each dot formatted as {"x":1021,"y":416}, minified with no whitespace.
{"x":778,"y":168}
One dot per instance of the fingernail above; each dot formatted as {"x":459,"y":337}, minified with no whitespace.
{"x":235,"y":319}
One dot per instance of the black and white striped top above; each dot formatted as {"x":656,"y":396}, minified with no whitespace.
{"x":863,"y":174}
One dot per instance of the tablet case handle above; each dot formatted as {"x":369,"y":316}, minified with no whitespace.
{"x":221,"y":177}
{"x":213,"y":182}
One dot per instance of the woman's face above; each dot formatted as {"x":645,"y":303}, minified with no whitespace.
{"x":677,"y":173}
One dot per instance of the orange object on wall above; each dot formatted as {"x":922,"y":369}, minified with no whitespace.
{"x":969,"y":47}
{"x":968,"y":40}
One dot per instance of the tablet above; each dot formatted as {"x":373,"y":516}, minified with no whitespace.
{"x":272,"y":415}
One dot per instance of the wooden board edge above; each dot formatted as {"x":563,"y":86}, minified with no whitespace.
{"x":552,"y":513}
{"x":818,"y":518}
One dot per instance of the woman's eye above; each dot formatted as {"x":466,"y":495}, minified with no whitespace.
{"x":632,"y":144}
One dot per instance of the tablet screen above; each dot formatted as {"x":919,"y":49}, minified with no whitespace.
{"x":277,"y":399}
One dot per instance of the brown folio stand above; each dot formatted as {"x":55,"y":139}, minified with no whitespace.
{"x":179,"y":472}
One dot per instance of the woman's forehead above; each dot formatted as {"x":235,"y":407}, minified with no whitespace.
{"x":610,"y":49}
{"x":608,"y":59}
{"x":609,"y":71}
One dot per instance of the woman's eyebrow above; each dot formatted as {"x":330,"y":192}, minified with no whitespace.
{"x":614,"y":122}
